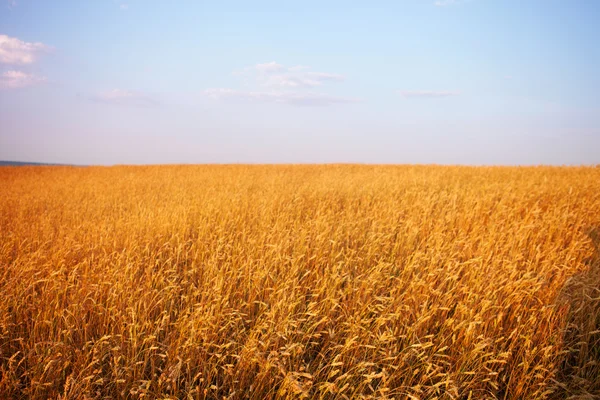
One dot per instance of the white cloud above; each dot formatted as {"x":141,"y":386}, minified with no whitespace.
{"x":291,"y":98}
{"x":17,"y":52}
{"x":270,"y":67}
{"x":125,"y":97}
{"x":121,"y":4}
{"x":273,"y":74}
{"x":308,"y":79}
{"x":428,"y":93}
{"x":277,"y":83}
{"x":19,"y":79}
{"x":298,"y":68}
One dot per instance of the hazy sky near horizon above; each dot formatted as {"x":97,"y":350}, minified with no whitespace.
{"x":419,"y":81}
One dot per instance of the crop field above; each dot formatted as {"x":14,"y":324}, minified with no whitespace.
{"x":321,"y":282}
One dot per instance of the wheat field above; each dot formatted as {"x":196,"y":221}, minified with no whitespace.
{"x":324,"y":282}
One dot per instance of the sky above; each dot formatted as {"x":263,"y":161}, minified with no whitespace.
{"x":474,"y":82}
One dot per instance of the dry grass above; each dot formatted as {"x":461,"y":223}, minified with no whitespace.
{"x":327,"y":282}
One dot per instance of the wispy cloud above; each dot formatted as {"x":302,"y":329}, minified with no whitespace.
{"x":270,"y":67}
{"x":308,"y":79}
{"x":428,"y":93}
{"x":19,"y":79}
{"x":17,"y":52}
{"x":291,"y":98}
{"x":273,"y":74}
{"x":121,"y":4}
{"x":14,"y":51}
{"x":277,"y":83}
{"x":125,"y":98}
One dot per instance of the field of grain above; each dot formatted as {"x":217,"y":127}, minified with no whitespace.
{"x":333,"y":282}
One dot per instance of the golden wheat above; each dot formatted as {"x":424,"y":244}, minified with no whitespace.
{"x":333,"y":282}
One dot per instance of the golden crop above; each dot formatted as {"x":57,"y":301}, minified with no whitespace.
{"x":334,"y":282}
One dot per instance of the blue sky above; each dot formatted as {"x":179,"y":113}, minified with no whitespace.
{"x":422,"y":81}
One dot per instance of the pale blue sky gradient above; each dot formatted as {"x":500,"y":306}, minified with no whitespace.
{"x":422,"y":81}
